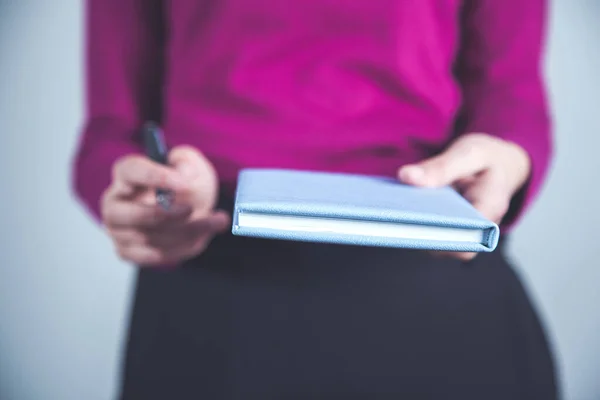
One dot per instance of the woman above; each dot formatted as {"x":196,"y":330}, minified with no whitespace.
{"x":435,"y":92}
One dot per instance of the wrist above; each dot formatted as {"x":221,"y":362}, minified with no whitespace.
{"x":518,"y":162}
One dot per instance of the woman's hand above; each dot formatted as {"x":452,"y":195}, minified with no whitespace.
{"x":486,"y":170}
{"x":144,"y":233}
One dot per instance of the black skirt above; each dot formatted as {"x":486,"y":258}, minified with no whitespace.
{"x":259,"y":319}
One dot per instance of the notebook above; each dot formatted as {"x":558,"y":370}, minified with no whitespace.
{"x":357,"y":210}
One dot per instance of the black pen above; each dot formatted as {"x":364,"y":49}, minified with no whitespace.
{"x":156,"y":149}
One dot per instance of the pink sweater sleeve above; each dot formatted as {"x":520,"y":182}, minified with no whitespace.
{"x":500,"y":68}
{"x":123,"y":68}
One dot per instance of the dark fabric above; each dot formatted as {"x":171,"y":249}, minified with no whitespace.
{"x":258,"y":319}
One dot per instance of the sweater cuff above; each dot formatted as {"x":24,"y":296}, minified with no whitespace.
{"x":92,"y":173}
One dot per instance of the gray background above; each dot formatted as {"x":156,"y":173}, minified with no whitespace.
{"x":64,"y":296}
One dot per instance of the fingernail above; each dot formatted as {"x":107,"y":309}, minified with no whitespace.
{"x":413,"y":174}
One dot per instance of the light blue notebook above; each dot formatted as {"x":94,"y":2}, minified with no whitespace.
{"x":357,"y":210}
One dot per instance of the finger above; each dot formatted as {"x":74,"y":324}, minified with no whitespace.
{"x":148,"y":256}
{"x":189,"y":161}
{"x":174,"y":252}
{"x":141,"y":251}
{"x":464,"y":256}
{"x":138,"y":171}
{"x":135,"y":215}
{"x":490,"y":196}
{"x":187,"y":233}
{"x":119,"y":188}
{"x":213,"y":224}
{"x":141,"y":255}
{"x":466,"y":157}
{"x":128,"y":237}
{"x":200,"y":174}
{"x":219,"y":222}
{"x":146,"y":197}
{"x":177,"y":235}
{"x":456,"y":255}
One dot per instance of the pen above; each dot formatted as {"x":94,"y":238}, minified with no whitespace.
{"x":156,"y":150}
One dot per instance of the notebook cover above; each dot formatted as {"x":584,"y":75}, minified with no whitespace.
{"x":371,"y":198}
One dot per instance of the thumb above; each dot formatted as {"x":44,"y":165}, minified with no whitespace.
{"x":199,"y":173}
{"x":190,"y":162}
{"x":211,"y":224}
{"x":464,"y":158}
{"x":220,"y":221}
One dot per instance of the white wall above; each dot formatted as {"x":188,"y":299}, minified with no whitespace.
{"x":64,"y":296}
{"x":557,"y":245}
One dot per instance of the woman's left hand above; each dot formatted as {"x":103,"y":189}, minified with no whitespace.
{"x":486,"y":170}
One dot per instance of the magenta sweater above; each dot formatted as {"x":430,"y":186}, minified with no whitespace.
{"x":359,"y":86}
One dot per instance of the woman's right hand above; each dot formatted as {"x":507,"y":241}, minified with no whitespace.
{"x":142,"y":231}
